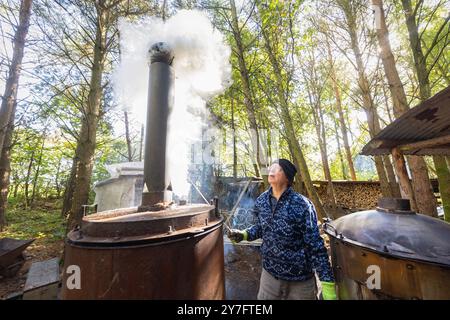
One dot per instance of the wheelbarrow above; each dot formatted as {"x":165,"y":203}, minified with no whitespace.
{"x":11,"y":255}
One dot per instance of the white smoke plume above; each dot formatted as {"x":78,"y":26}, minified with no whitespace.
{"x":202,"y":70}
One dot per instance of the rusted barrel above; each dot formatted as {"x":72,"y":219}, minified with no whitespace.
{"x":170,"y":254}
{"x":390,"y":253}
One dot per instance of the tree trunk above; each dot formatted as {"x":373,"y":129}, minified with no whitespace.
{"x":11,"y":86}
{"x":16,"y":182}
{"x":337,"y":96}
{"x":5,"y":170}
{"x":395,"y":189}
{"x":127,"y":136}
{"x":233,"y":128}
{"x":444,"y":184}
{"x":416,"y":47}
{"x":406,"y":188}
{"x":261,"y":162}
{"x":27,"y":178}
{"x":88,"y":133}
{"x":389,"y":110}
{"x":421,"y":183}
{"x":368,"y":105}
{"x":290,"y":132}
{"x":57,"y":183}
{"x":299,"y":185}
{"x":69,"y":189}
{"x":382,"y":176}
{"x":426,"y":201}
{"x":321,"y":137}
{"x":38,"y":167}
{"x":341,"y":158}
{"x":46,"y":190}
{"x":9,"y":103}
{"x":324,"y":152}
{"x":16,"y":189}
{"x":422,"y":72}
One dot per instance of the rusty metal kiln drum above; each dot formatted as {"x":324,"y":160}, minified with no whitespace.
{"x":411,"y":250}
{"x":170,"y":254}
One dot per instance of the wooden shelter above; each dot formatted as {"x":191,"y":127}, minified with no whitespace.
{"x":423,"y":130}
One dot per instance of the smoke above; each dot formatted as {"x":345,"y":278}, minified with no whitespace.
{"x":202,"y":70}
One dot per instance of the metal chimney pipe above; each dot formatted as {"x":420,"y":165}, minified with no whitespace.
{"x":157,"y":187}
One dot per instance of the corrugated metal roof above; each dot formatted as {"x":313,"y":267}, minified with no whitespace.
{"x":430,"y":119}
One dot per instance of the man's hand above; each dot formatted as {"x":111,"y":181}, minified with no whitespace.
{"x":237,"y":235}
{"x":328,"y":291}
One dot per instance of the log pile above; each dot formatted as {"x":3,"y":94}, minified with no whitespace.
{"x":350,"y":195}
{"x":353,"y":195}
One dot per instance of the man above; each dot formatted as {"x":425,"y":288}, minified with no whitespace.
{"x":292,"y":248}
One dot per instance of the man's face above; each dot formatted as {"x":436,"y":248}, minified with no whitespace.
{"x":277,"y":176}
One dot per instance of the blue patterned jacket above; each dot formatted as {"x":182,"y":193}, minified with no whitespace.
{"x":291,"y":244}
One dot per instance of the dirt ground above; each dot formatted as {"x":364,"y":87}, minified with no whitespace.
{"x":42,"y":222}
{"x":35,"y":252}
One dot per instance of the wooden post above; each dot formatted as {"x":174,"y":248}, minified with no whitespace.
{"x":405,"y":184}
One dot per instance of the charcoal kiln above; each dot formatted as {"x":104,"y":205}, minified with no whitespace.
{"x":158,"y":250}
{"x":409,"y":252}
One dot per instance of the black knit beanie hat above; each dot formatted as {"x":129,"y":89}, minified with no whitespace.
{"x":288,"y":167}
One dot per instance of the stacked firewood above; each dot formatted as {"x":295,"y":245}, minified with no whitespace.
{"x":354,"y":195}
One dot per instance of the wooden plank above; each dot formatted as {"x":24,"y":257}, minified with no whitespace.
{"x":430,"y":143}
{"x":48,"y":292}
{"x":42,"y":273}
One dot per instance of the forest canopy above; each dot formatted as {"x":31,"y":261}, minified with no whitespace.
{"x":311,"y":81}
